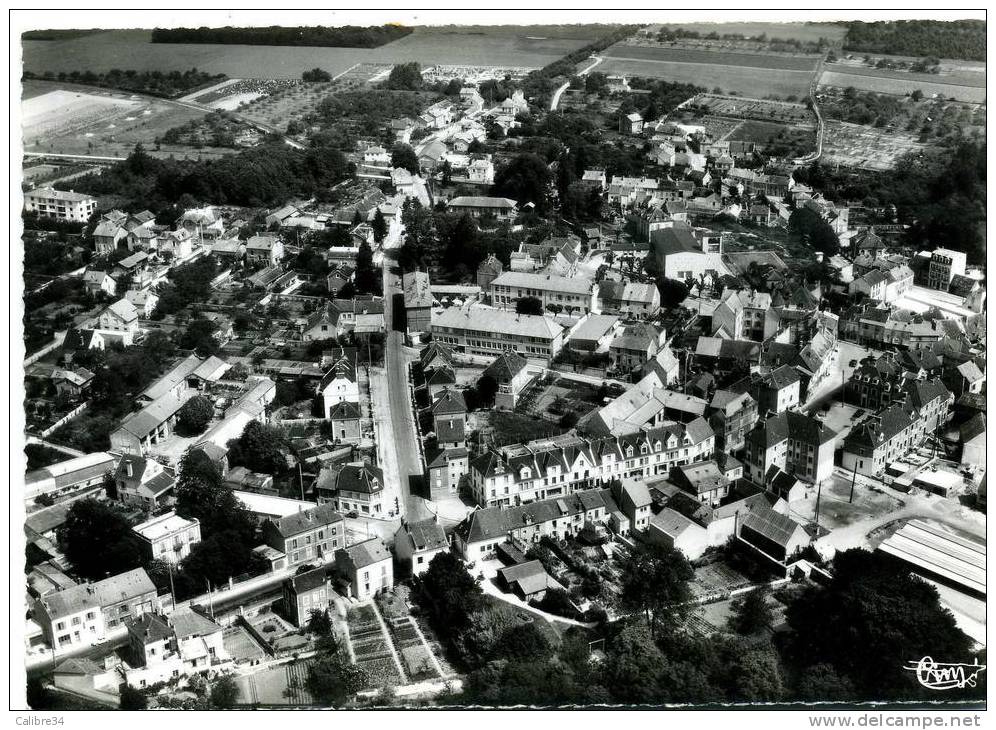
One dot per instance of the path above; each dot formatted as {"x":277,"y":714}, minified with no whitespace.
{"x":492,"y":590}
{"x":560,"y":92}
{"x":813,"y":86}
{"x":57,"y":447}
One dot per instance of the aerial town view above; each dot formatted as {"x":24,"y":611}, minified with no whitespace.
{"x":413,"y":365}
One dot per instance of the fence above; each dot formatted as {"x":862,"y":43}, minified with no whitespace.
{"x":57,"y":341}
{"x":66,"y":418}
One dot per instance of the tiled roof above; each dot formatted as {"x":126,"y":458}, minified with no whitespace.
{"x":426,"y":535}
{"x":299,"y":522}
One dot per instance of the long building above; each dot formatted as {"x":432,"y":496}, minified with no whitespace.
{"x":482,"y":331}
{"x":51,"y":203}
{"x":557,"y":293}
{"x":540,"y":470}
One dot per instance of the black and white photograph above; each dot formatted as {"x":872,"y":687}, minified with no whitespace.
{"x":474,"y":360}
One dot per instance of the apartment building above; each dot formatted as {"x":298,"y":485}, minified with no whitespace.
{"x":314,"y":534}
{"x":168,"y":537}
{"x":64,"y":206}
{"x":794,"y":442}
{"x":740,"y":315}
{"x":481,"y":331}
{"x":539,"y":470}
{"x":944,"y":265}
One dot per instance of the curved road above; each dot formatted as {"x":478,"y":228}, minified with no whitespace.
{"x":560,"y":92}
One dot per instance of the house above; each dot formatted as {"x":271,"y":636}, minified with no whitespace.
{"x":74,"y":382}
{"x":449,"y":417}
{"x":634,"y":502}
{"x":776,"y":391}
{"x":143,"y":300}
{"x":142,"y":482}
{"x":446,"y":468}
{"x":140,"y":431}
{"x":965,"y":377}
{"x":418,"y":301}
{"x":703,"y":480}
{"x":514,"y":105}
{"x":632,"y":348}
{"x":99,"y":281}
{"x":71,"y":475}
{"x":119,"y":317}
{"x":357,"y":487}
{"x":593,"y":333}
{"x":632,"y":298}
{"x":163,"y":647}
{"x":264,"y":250}
{"x":344,"y":420}
{"x":783,"y":485}
{"x":594,"y":179}
{"x":556,"y":293}
{"x":480,"y":331}
{"x":631,"y":123}
{"x":168,"y":537}
{"x":84,"y":614}
{"x":306,"y":592}
{"x":972,"y":435}
{"x":529,"y":580}
{"x":481,"y":171}
{"x":731,"y":415}
{"x":313,"y":534}
{"x":417,"y":543}
{"x":672,"y":529}
{"x":70,"y":207}
{"x":944,"y":265}
{"x":776,"y":535}
{"x":321,"y":324}
{"x":510,"y":372}
{"x":489,"y":270}
{"x":338,"y":278}
{"x":366,"y":567}
{"x":339,"y":384}
{"x":482,"y":206}
{"x":740,"y":315}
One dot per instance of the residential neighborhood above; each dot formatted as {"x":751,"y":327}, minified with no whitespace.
{"x":552,"y":384}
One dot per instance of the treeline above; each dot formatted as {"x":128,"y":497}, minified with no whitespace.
{"x":941,"y":195}
{"x":167,"y":84}
{"x":965,"y":39}
{"x":267,"y":175}
{"x":347,"y":36}
{"x":667,"y":35}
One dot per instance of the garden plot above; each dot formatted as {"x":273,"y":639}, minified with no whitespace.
{"x":855,"y":145}
{"x":717,"y":579}
{"x":371,"y":648}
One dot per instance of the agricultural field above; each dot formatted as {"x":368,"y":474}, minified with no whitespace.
{"x":964,"y":86}
{"x":61,"y":118}
{"x":754,"y":75}
{"x":760,"y":109}
{"x":864,"y":147}
{"x":523,"y":46}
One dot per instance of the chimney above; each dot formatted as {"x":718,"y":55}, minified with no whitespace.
{"x":128,"y":468}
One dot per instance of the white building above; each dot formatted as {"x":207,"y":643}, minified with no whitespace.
{"x":51,"y":203}
{"x":168,"y":537}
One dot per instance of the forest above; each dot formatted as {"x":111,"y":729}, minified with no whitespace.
{"x":964,"y":39}
{"x":347,"y":36}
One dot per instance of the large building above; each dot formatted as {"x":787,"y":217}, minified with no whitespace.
{"x":51,"y":203}
{"x":557,"y":293}
{"x":314,"y":534}
{"x":543,"y":469}
{"x":944,"y":265}
{"x":794,"y":442}
{"x":481,"y":331}
{"x":168,"y":537}
{"x":891,"y":433}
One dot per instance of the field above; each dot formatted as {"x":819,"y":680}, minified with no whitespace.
{"x":963,"y":86}
{"x":755,"y":75}
{"x":526,"y":46}
{"x":804,"y":32}
{"x":71,"y":119}
{"x":760,"y":109}
{"x":856,"y":145}
{"x":781,"y":140}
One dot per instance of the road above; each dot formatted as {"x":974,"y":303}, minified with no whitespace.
{"x":560,"y":92}
{"x":405,"y":444}
{"x":813,"y":86}
{"x":841,"y":370}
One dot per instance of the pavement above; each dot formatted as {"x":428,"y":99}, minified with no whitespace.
{"x":840,"y":370}
{"x":560,"y":92}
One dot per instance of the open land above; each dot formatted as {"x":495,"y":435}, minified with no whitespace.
{"x":533,"y":47}
{"x":785,"y":31}
{"x":963,"y":87}
{"x":748,"y":74}
{"x":861,"y":146}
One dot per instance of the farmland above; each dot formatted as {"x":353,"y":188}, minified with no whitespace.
{"x":963,"y":85}
{"x":856,"y":145}
{"x":526,"y":46}
{"x":749,"y":74}
{"x":71,"y":119}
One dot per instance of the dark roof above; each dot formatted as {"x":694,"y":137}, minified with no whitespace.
{"x":307,"y":581}
{"x":361,"y":478}
{"x":495,"y":522}
{"x":364,"y":553}
{"x":299,"y":522}
{"x":770,"y":524}
{"x":506,"y":366}
{"x":449,"y":402}
{"x":344,"y":411}
{"x":426,"y":535}
{"x":450,"y":430}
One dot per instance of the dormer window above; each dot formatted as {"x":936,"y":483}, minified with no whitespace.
{"x":657,"y":446}
{"x":525,"y":473}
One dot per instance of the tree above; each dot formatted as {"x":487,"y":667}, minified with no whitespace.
{"x":319,"y":622}
{"x":673,"y":292}
{"x":199,"y":336}
{"x":751,"y":612}
{"x":526,"y":178}
{"x":529,"y":305}
{"x":225,"y":692}
{"x":202,"y":494}
{"x":194,"y":415}
{"x":873,"y":609}
{"x":316,"y":75}
{"x":655,"y":580}
{"x":332,"y":680}
{"x":446,"y":172}
{"x":450,"y":591}
{"x":366,"y":279}
{"x":98,"y":541}
{"x":39,"y":696}
{"x":159,"y":346}
{"x":814,"y":231}
{"x":822,"y":683}
{"x":132,"y":699}
{"x":403,"y":156}
{"x":486,"y":389}
{"x":405,"y":77}
{"x":259,"y":448}
{"x":379,"y":226}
